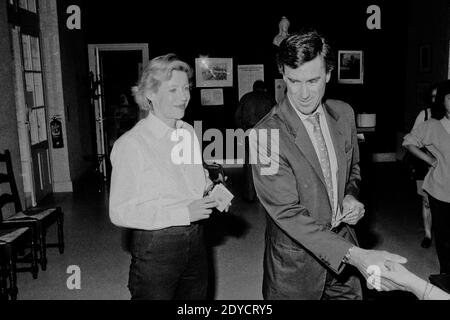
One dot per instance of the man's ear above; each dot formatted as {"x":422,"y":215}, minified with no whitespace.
{"x":328,"y":76}
{"x":149,"y":95}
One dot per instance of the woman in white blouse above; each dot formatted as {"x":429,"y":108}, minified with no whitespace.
{"x":157,"y":196}
{"x":434,"y":134}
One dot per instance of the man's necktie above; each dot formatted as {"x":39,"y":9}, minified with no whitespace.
{"x":323,"y":155}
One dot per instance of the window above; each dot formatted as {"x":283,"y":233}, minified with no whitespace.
{"x":34,"y":88}
{"x":29,"y":5}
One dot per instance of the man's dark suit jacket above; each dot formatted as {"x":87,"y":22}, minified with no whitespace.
{"x":300,"y":247}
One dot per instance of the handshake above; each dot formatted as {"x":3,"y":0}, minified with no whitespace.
{"x":384,"y":271}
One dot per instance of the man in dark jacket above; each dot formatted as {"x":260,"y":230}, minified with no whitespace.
{"x":311,"y":199}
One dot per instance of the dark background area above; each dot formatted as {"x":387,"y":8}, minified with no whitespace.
{"x":244,"y":31}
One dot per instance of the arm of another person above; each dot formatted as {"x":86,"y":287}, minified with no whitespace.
{"x":416,"y":140}
{"x":135,"y":200}
{"x":405,"y":280}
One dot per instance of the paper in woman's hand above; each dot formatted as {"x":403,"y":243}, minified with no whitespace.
{"x":222,"y":196}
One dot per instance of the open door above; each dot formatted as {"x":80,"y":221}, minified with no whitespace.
{"x":114,"y":69}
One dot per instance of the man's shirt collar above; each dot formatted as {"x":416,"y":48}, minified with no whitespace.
{"x":304,"y":117}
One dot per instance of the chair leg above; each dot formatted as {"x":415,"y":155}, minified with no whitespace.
{"x":60,"y":223}
{"x":43,"y":249}
{"x":3,"y":282}
{"x":34,"y":256}
{"x":13,"y":290}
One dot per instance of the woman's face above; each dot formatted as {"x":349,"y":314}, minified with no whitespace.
{"x":171,"y":99}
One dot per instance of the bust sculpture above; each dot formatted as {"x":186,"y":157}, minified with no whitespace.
{"x":284,"y":31}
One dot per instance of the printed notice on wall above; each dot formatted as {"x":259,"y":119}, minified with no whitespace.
{"x":247,"y":75}
{"x":211,"y":97}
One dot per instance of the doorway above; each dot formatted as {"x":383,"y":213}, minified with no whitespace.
{"x":120,"y":70}
{"x":114,"y":69}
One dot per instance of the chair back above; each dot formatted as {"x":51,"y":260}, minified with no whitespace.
{"x":8,"y":178}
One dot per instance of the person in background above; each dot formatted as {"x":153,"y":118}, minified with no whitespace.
{"x":434,"y":135}
{"x":253,"y":106}
{"x":161,"y":200}
{"x":423,"y":116}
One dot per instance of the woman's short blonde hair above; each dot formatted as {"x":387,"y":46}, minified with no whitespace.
{"x":158,"y":70}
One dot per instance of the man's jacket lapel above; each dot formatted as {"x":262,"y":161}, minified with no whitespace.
{"x":334,"y":126}
{"x":301,"y":137}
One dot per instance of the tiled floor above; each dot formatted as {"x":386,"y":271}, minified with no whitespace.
{"x":94,"y":245}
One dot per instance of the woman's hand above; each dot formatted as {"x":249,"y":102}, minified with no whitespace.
{"x":400,"y":276}
{"x":424,"y":156}
{"x":201,"y":209}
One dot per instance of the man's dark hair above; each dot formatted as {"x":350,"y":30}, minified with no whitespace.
{"x":302,"y":47}
{"x":438,"y":110}
{"x":259,"y":85}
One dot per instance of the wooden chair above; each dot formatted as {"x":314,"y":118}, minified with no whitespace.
{"x":39,"y":219}
{"x":11,"y":242}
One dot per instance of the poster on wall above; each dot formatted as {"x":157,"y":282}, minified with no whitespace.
{"x":280,"y":90}
{"x":350,"y":67}
{"x":211,"y":97}
{"x":247,"y":75}
{"x":214,"y":72}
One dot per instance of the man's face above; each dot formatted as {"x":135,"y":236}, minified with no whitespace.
{"x":306,"y":84}
{"x":171,"y":99}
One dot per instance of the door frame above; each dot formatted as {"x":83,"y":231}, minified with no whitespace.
{"x":93,"y":52}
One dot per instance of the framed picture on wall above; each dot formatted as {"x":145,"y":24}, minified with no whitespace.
{"x":214,"y":72}
{"x":350,"y":67}
{"x":425,"y":58}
